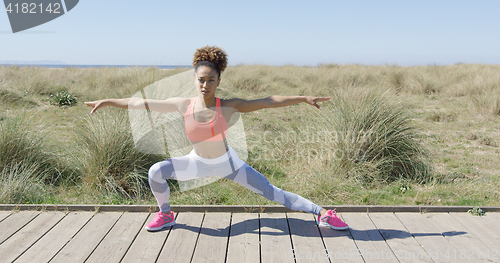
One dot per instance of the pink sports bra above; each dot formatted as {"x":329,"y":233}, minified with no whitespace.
{"x":215,"y":130}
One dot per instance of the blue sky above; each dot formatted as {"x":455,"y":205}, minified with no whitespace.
{"x":272,"y":32}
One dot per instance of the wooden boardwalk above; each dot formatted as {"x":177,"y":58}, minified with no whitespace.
{"x":54,"y":236}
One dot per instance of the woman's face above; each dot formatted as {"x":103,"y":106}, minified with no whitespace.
{"x":207,"y":81}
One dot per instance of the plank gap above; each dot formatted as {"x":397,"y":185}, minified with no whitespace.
{"x":100,"y":241}
{"x":228,"y":236}
{"x":473,"y":231}
{"x":413,"y":236}
{"x":71,"y":238}
{"x":260,"y":240}
{"x":353,"y":239}
{"x":133,"y":240}
{"x":40,"y":237}
{"x":7,"y":238}
{"x":164,"y":241}
{"x":381,"y":234}
{"x":198,"y":237}
{"x":322,"y":240}
{"x":3,"y":216}
{"x":291,"y":240}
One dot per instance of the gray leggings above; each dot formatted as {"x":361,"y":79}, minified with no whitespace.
{"x":229,"y":166}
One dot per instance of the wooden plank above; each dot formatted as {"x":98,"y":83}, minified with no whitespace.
{"x":56,"y":238}
{"x":493,"y":215}
{"x":429,"y":237}
{"x":14,"y":222}
{"x":306,"y":240}
{"x":340,"y":245}
{"x":486,"y":229}
{"x":466,"y":244}
{"x":480,"y":228}
{"x":401,"y":242}
{"x":86,"y":240}
{"x":244,"y":238}
{"x":371,"y":245}
{"x":4,"y":214}
{"x":24,"y":238}
{"x":276,"y":245}
{"x":116,"y":243}
{"x":492,"y":219}
{"x":181,"y":241}
{"x":147,"y":245}
{"x":212,"y":242}
{"x":492,"y":224}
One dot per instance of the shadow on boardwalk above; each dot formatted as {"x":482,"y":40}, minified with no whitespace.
{"x":240,"y":230}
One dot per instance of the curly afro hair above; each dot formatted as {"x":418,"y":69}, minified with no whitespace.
{"x":211,"y":56}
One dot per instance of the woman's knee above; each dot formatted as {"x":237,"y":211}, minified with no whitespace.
{"x":257,"y":182}
{"x":160,"y":170}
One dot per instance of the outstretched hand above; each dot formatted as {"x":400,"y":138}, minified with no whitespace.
{"x":314,"y":100}
{"x":95,"y":105}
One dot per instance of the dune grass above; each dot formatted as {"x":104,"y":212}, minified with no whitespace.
{"x":22,"y":183}
{"x":389,"y":135}
{"x":23,"y":145}
{"x":373,"y":139}
{"x":108,"y":160}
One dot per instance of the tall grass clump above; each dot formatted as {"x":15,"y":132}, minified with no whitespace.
{"x":109,"y":162}
{"x":21,"y":183}
{"x":22,"y":142}
{"x":373,"y":139}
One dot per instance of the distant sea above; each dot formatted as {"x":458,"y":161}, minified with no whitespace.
{"x":95,"y":66}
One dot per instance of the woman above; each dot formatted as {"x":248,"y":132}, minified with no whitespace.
{"x":205,"y":122}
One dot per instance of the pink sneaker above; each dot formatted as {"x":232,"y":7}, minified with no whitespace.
{"x":332,"y":220}
{"x":161,"y":221}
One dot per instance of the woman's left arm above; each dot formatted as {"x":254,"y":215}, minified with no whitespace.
{"x":275,"y":101}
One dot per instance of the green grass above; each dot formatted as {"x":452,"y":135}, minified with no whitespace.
{"x":62,"y":98}
{"x":108,"y":160}
{"x":373,"y":138}
{"x":23,"y":141}
{"x":22,"y":183}
{"x":439,"y":126}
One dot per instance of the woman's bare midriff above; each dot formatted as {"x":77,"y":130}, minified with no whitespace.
{"x":210,"y":150}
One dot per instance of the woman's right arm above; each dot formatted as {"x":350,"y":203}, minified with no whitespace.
{"x":165,"y":106}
